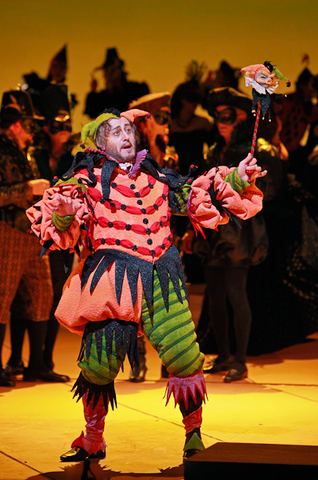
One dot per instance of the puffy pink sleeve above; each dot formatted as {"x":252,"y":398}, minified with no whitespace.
{"x":40,"y":215}
{"x":208,"y":213}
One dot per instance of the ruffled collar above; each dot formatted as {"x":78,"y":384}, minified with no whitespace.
{"x":130,"y":168}
{"x":250,"y":82}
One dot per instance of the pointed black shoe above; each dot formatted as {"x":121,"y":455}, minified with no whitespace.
{"x":16,"y":369}
{"x":6,"y":380}
{"x":31,"y":375}
{"x":237,"y":372}
{"x":215,"y":366}
{"x":78,"y":454}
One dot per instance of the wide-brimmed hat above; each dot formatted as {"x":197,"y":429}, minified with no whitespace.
{"x":151,"y":102}
{"x":54,"y":101}
{"x":230,"y":97}
{"x":17,"y":105}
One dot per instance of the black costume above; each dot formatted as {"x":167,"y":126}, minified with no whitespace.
{"x":96,"y":102}
{"x":228,"y":253}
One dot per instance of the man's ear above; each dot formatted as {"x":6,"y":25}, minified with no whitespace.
{"x":45,"y":128}
{"x":16,"y":128}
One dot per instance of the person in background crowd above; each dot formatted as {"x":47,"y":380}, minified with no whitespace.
{"x":50,"y":157}
{"x":286,"y":282}
{"x":57,"y":72}
{"x":310,"y":151}
{"x":189,"y":131}
{"x":229,"y":252}
{"x":27,"y":279}
{"x":154,"y":130}
{"x":298,"y":112}
{"x":119,"y":91}
{"x":189,"y":134}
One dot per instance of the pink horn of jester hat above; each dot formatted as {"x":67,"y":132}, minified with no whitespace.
{"x":264,"y":79}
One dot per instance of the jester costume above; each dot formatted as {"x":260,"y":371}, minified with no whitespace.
{"x":133,"y":282}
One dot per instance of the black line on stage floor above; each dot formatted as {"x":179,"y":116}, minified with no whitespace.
{"x":25,"y":464}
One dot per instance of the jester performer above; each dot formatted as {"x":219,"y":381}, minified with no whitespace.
{"x":120,"y":202}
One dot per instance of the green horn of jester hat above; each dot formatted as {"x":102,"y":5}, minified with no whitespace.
{"x":90,"y":129}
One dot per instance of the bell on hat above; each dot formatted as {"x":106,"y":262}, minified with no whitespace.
{"x":17,"y":105}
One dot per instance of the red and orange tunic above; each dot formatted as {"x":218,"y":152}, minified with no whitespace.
{"x":130,"y":234}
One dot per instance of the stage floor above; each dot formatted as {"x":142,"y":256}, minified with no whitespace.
{"x":277,"y":404}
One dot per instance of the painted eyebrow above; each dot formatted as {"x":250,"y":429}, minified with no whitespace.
{"x":119,"y":127}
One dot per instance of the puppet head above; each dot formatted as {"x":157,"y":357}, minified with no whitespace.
{"x":264,"y":78}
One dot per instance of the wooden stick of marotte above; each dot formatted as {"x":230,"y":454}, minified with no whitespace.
{"x":258,"y":114}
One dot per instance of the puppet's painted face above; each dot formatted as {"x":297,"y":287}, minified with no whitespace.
{"x":121,"y":140}
{"x":265,"y":78}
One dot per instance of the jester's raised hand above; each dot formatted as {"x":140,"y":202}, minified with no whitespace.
{"x":248,"y":169}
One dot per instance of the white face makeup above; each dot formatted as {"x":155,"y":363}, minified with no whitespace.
{"x":121,"y":140}
{"x":265,"y":79}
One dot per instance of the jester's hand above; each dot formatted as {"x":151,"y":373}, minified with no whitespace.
{"x":65,"y":206}
{"x":248,"y":169}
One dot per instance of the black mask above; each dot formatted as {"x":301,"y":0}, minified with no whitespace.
{"x":161,"y":117}
{"x":28,"y":125}
{"x":60,"y":126}
{"x":227,"y":116}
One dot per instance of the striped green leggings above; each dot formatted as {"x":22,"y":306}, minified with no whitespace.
{"x":171,"y":333}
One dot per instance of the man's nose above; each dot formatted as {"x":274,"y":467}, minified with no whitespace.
{"x":124,"y":135}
